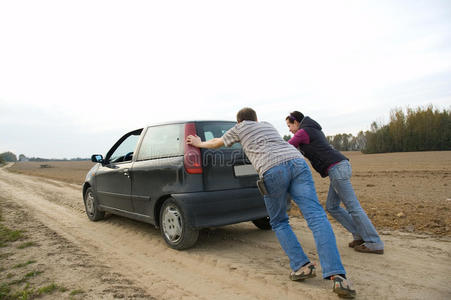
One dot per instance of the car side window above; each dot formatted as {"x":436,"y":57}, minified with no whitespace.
{"x":162,"y":141}
{"x":124,"y":152}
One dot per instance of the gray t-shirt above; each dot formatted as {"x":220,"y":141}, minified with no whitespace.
{"x":262,"y":144}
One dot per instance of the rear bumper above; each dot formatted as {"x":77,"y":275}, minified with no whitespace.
{"x":217,"y":208}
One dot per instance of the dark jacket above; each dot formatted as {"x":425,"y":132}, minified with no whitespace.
{"x":320,"y":153}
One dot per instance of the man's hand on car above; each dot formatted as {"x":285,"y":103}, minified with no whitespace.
{"x":211,"y":144}
{"x":193,"y":140}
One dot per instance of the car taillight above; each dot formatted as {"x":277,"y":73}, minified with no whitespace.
{"x":192,"y":157}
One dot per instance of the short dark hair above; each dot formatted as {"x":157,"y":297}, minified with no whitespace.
{"x":246,"y":114}
{"x":295,"y":115}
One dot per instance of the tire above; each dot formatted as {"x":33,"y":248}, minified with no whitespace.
{"x":91,"y":206}
{"x":262,"y":223}
{"x":175,"y":228}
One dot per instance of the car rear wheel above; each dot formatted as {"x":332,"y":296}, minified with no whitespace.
{"x":262,"y":223}
{"x":174,"y":226}
{"x":91,"y":206}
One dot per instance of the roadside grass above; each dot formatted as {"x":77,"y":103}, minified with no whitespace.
{"x":76,"y":292}
{"x":17,"y":280}
{"x":26,"y":245}
{"x":6,"y":255}
{"x":7,"y":235}
{"x":29,"y":292}
{"x":24,"y":264}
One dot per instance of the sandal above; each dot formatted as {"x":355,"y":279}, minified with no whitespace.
{"x":307,"y":271}
{"x":342,"y":287}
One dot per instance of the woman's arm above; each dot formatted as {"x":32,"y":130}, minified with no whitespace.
{"x":300,"y":137}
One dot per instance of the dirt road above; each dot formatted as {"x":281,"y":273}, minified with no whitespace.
{"x":232,"y":262}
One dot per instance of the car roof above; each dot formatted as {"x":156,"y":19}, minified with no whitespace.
{"x":188,"y":121}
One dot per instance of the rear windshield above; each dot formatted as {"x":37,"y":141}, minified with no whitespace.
{"x":211,"y":130}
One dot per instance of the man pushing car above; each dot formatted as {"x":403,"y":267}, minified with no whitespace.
{"x":284,"y":170}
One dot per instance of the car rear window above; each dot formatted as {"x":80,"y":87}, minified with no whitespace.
{"x":211,"y":130}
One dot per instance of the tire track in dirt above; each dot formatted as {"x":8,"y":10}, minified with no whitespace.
{"x":139,"y":251}
{"x":232,"y":262}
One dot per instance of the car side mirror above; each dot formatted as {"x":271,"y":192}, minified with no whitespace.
{"x":97,"y":158}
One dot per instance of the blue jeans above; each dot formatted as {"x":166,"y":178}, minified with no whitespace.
{"x":353,"y":218}
{"x":294,"y":177}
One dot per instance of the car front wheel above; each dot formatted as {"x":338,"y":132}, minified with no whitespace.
{"x":91,"y":206}
{"x":174,"y":226}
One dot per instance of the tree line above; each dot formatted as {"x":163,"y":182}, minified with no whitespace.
{"x":11,"y":157}
{"x":7,"y":157}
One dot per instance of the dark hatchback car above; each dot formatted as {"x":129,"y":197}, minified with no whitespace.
{"x":152,"y":175}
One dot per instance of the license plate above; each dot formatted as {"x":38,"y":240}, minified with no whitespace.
{"x":244,"y":170}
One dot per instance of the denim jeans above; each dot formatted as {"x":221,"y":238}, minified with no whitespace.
{"x":294,"y":177}
{"x":353,"y":218}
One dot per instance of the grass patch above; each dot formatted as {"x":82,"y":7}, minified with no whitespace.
{"x":7,"y":235}
{"x":26,"y":245}
{"x":29,"y":293}
{"x":24,"y":264}
{"x":62,"y":289}
{"x":4,"y":291}
{"x":25,"y":294}
{"x":33,"y":274}
{"x":76,"y":292}
{"x":48,"y":289}
{"x":6,"y":255}
{"x":24,"y":287}
{"x":26,"y":277}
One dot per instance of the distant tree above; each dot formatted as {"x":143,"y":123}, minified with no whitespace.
{"x":347,"y":142}
{"x":359,"y":142}
{"x":8,"y":156}
{"x":38,"y":159}
{"x":22,"y":157}
{"x":397,"y":130}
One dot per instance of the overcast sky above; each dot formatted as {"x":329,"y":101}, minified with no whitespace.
{"x":76,"y":75}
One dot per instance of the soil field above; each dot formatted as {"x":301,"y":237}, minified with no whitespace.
{"x":399,"y":191}
{"x":67,"y":171}
{"x":50,"y":250}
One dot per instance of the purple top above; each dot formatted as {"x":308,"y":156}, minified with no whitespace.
{"x":300,"y":137}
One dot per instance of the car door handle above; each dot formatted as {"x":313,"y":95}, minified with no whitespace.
{"x":126,"y":173}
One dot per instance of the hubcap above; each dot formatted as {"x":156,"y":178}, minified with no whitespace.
{"x":172,"y":224}
{"x":90,"y":203}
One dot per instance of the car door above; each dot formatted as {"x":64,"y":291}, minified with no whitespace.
{"x":113,"y":178}
{"x":158,"y":166}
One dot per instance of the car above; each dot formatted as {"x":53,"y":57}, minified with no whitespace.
{"x":152,"y":175}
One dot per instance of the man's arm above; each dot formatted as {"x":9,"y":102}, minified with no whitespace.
{"x":211,"y":144}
